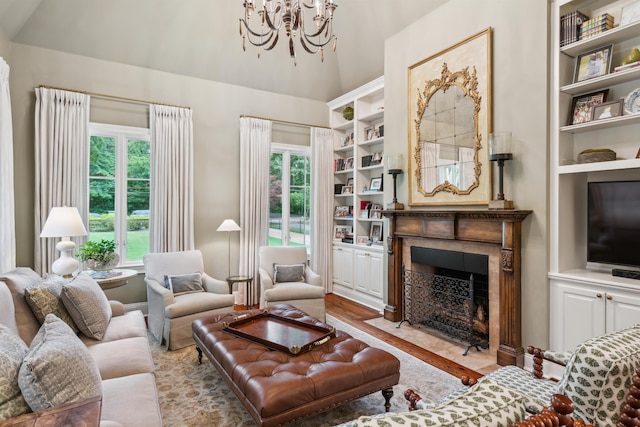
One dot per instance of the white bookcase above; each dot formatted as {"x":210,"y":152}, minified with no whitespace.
{"x":359,"y":157}
{"x":588,"y":301}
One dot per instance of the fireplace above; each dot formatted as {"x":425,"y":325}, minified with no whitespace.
{"x":494,"y":234}
{"x":448,"y":291}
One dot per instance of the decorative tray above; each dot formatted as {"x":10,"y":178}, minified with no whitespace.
{"x":279,"y":333}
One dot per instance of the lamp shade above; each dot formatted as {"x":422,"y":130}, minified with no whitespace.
{"x":228,"y":225}
{"x":63,"y":222}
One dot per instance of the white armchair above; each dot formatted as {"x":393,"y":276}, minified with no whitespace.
{"x":170,"y":315}
{"x":306,"y":294}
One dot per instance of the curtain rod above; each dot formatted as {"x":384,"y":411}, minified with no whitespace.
{"x":284,"y":122}
{"x":118,"y":98}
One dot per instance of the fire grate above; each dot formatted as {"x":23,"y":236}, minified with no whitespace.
{"x":447,"y":304}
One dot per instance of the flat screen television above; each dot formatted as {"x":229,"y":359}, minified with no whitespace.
{"x":613,"y":224}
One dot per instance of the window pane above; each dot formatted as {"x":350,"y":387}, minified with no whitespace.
{"x":102,"y":156}
{"x":275,"y":200}
{"x":102,"y":193}
{"x":138,"y":159}
{"x":138,"y":219}
{"x":299,"y":201}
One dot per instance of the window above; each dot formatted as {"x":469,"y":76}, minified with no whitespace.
{"x":289,"y":196}
{"x":119,"y":189}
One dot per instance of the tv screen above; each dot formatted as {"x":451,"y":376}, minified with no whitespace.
{"x":613,"y":229}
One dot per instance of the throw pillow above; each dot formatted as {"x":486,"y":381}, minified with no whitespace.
{"x":58,"y":368}
{"x":184,"y":283}
{"x":88,"y":305}
{"x":44,"y":298}
{"x":12,"y":351}
{"x":288,"y":273}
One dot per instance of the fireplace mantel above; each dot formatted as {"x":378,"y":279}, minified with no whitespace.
{"x":501,"y":228}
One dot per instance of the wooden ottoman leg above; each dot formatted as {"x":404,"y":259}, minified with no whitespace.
{"x":388,"y":394}
{"x":199,"y":355}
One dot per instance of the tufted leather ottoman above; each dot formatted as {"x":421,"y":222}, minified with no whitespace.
{"x":277,"y":388}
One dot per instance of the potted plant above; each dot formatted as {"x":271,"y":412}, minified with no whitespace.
{"x":99,"y":255}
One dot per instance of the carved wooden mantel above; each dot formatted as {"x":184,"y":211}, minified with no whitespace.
{"x":498,"y":227}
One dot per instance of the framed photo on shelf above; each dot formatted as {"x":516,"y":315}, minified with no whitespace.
{"x":364,"y":214}
{"x":375,"y":184}
{"x":347,"y":189}
{"x":582,"y":105}
{"x":341,"y":211}
{"x":607,"y":110}
{"x":368,"y":133}
{"x":341,"y":231}
{"x":375,"y":214}
{"x":630,"y":13}
{"x":350,"y":182}
{"x":378,"y":130}
{"x":595,"y":63}
{"x":375,"y":232}
{"x":349,"y":163}
{"x":376,"y":158}
{"x":361,"y":240}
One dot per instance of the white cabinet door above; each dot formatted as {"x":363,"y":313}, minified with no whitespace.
{"x":377,"y":273}
{"x":362,"y":277}
{"x":623,"y":310}
{"x":578,"y":314}
{"x":343,"y":266}
{"x":368,"y":270}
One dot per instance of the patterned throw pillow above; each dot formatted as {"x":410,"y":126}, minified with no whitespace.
{"x":12,"y":351}
{"x":88,"y":305}
{"x":486,"y":404}
{"x":44,"y":298}
{"x":58,"y":368}
{"x":288,"y":273}
{"x":184,"y":283}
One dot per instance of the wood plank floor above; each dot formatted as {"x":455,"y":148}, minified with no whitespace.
{"x":356,"y":314}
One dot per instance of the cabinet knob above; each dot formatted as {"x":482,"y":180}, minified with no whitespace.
{"x":609,"y":297}
{"x":598,"y":295}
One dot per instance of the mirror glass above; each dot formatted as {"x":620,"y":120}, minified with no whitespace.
{"x":447,"y":146}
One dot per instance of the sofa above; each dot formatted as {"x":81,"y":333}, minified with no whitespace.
{"x":115,"y":348}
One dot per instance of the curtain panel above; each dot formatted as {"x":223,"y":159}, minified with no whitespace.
{"x":61,"y":163}
{"x":255,"y":156}
{"x":322,"y":142}
{"x":7,"y":203}
{"x":171,"y":200}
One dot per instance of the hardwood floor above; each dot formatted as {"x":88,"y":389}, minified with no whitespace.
{"x":356,"y":314}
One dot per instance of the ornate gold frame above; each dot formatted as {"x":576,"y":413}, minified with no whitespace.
{"x":471,"y":59}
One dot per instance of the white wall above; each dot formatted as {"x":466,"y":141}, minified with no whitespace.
{"x":4,"y":45}
{"x":520,"y":99}
{"x":216,"y":111}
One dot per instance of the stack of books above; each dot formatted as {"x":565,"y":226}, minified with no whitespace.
{"x":595,"y":26}
{"x":570,"y":25}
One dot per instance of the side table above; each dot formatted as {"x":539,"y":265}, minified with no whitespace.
{"x":112,"y":278}
{"x":248,"y":281}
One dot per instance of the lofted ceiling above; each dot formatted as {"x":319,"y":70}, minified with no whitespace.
{"x":200,"y":38}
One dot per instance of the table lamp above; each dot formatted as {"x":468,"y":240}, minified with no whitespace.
{"x":500,"y":151}
{"x":64,"y":222}
{"x":395,"y":163}
{"x":229,"y":225}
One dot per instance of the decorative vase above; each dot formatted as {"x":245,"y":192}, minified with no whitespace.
{"x":104,"y":266}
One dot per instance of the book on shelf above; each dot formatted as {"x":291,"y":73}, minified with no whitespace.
{"x":595,"y":26}
{"x":626,"y":66}
{"x":570,"y":25}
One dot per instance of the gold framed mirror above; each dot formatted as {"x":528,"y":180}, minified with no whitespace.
{"x":449,"y":122}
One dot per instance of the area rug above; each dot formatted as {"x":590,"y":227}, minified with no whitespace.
{"x":195,"y":395}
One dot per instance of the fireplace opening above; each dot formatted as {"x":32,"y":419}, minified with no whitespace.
{"x":448,"y":291}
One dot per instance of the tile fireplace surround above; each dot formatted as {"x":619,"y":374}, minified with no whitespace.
{"x":493,"y":233}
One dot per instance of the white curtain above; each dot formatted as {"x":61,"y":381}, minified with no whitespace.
{"x":7,"y":207}
{"x":61,"y":162}
{"x":322,"y":204}
{"x":255,"y":155}
{"x":467,"y":173}
{"x":430,"y":156}
{"x":171,"y":221}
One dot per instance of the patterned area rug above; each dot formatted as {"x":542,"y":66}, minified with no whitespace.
{"x":195,"y":395}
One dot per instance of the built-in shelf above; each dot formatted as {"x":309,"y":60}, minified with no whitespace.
{"x":615,"y":35}
{"x":370,"y":193}
{"x":344,"y":126}
{"x":600,"y":166}
{"x":368,"y":168}
{"x":599,"y":82}
{"x":596,"y":277}
{"x":373,"y":141}
{"x":630,"y":119}
{"x":344,"y":149}
{"x":372,"y":117}
{"x":344,"y":171}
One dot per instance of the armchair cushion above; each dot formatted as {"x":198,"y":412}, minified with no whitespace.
{"x":485,"y":404}
{"x":288,"y":273}
{"x":44,"y":298}
{"x":184,"y":283}
{"x":12,"y":351}
{"x":88,"y":305}
{"x":58,"y":368}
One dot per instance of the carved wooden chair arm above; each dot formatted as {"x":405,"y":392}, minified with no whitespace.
{"x":630,"y":413}
{"x":539,"y":356}
{"x":558,"y":414}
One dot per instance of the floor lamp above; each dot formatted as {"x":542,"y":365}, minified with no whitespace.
{"x":229,"y":225}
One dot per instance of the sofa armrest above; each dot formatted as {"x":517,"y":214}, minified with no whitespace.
{"x":117,"y":308}
{"x":311,"y":277}
{"x":539,"y":356}
{"x":84,"y":412}
{"x":214,"y":286}
{"x":265,"y":279}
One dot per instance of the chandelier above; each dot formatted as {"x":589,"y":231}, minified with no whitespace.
{"x":274,"y":14}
